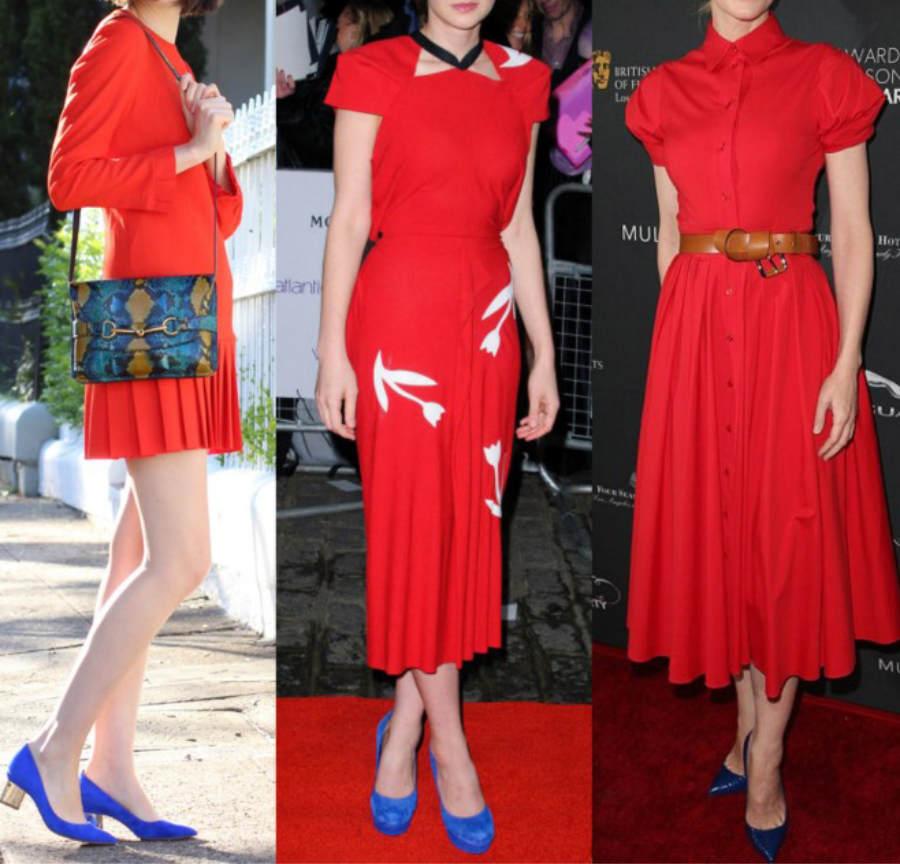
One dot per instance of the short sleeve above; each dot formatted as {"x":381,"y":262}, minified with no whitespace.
{"x":643,"y":116}
{"x":361,"y":82}
{"x":848,"y":102}
{"x":534,"y":92}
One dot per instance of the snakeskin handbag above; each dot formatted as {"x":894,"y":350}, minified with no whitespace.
{"x":153,"y":327}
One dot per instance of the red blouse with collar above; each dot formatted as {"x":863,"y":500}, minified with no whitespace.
{"x":743,"y":127}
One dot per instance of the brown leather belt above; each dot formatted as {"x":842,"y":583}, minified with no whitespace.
{"x":757,"y":246}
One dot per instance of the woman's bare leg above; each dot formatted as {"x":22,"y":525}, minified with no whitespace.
{"x":765,"y":794}
{"x":111,"y":762}
{"x":396,"y":770}
{"x":171,"y":497}
{"x":746,"y":720}
{"x":457,"y":778}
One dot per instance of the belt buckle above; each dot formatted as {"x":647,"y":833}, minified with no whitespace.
{"x":778,"y":267}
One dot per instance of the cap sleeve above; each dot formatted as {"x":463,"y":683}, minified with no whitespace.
{"x":534,"y":92}
{"x":849,"y":102}
{"x":361,"y":83}
{"x":643,"y":115}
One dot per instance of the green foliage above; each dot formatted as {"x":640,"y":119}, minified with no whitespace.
{"x":39,"y":42}
{"x":257,"y":423}
{"x":62,"y":394}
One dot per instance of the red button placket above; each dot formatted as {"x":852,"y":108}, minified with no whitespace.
{"x":729,"y":349}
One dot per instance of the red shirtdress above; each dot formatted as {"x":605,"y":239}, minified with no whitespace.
{"x":114,"y":148}
{"x":432,"y":337}
{"x":747,"y":546}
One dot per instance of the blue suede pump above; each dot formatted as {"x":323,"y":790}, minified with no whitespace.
{"x":98,"y":803}
{"x":727,"y":782}
{"x":391,"y":816}
{"x":473,"y":834}
{"x":23,"y":778}
{"x":766,"y":841}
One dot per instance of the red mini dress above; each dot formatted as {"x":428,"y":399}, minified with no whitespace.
{"x":114,"y":148}
{"x":432,"y":338}
{"x":747,"y":546}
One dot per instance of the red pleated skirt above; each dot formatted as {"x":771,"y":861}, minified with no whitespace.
{"x":432,"y":338}
{"x":133,"y":419}
{"x":747,"y":546}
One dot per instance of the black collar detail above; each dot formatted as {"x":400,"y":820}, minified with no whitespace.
{"x":445,"y":55}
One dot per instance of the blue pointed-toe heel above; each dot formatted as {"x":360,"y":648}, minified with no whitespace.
{"x":472,"y":834}
{"x":23,"y":778}
{"x":98,"y":804}
{"x":391,"y":816}
{"x":766,"y":841}
{"x":727,"y":782}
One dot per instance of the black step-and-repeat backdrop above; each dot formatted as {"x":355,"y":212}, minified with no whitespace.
{"x":630,"y":37}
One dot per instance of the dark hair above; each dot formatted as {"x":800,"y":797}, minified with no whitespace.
{"x":188,"y":7}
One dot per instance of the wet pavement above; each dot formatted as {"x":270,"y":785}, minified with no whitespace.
{"x":321,"y":596}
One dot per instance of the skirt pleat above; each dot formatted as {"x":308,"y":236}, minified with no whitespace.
{"x":433,"y":408}
{"x":137,"y":419}
{"x":747,"y":546}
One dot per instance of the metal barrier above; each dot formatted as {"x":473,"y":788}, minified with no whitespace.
{"x":570,"y":286}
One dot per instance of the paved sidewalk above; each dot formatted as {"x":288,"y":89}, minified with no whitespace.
{"x":206,"y":732}
{"x":321,"y":597}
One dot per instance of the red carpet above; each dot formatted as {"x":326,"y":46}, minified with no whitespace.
{"x":657,"y":747}
{"x":533,"y":762}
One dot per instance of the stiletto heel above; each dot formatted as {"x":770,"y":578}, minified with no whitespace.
{"x":391,"y":816}
{"x":98,"y":804}
{"x":472,"y":834}
{"x":24,"y":778}
{"x":766,"y":841}
{"x":12,"y":795}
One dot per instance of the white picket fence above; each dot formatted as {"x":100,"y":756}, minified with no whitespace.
{"x":251,"y":252}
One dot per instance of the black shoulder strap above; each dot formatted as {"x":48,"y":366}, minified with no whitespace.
{"x":76,"y":214}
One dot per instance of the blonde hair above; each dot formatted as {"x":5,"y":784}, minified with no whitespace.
{"x":705,"y":8}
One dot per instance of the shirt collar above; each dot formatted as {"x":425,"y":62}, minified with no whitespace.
{"x":756,"y":45}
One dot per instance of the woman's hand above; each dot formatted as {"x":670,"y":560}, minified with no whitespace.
{"x":336,"y":392}
{"x":207,"y":114}
{"x":543,"y":403}
{"x":838,"y":395}
{"x":285,"y":85}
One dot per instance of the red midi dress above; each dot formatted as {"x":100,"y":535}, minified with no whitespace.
{"x":432,"y":338}
{"x":747,"y":546}
{"x":114,"y":148}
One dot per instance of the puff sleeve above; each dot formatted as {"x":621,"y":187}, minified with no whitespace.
{"x":534,"y":91}
{"x":643,"y":115}
{"x":848,"y":102}
{"x":361,"y":82}
{"x":86,"y":167}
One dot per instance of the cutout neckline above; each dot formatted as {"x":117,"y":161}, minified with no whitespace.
{"x":448,"y":57}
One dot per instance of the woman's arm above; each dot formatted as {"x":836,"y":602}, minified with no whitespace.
{"x":87,"y":166}
{"x":219,"y":169}
{"x":669,"y":235}
{"x":348,"y":230}
{"x":852,"y":245}
{"x":521,"y":242}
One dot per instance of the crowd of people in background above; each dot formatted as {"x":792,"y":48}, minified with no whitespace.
{"x":558,"y":32}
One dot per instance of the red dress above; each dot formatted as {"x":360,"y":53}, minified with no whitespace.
{"x":114,"y":148}
{"x":432,"y":338}
{"x":747,"y":546}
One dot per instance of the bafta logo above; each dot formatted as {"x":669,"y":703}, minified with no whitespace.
{"x":600,"y":69}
